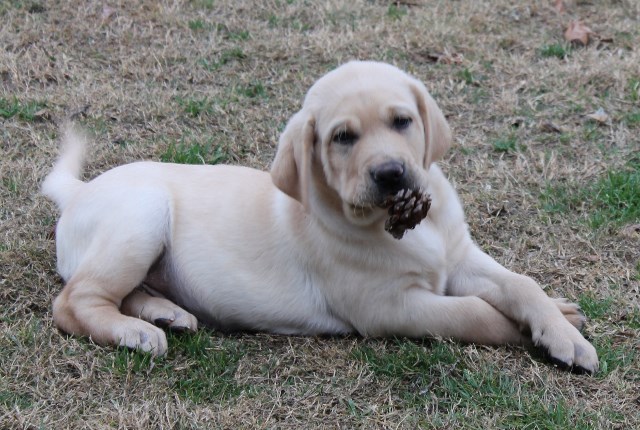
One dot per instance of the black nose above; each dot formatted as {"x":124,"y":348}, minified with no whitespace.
{"x":390,"y":175}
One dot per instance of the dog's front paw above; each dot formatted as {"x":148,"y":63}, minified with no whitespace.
{"x":138,"y":334}
{"x":565,"y":347}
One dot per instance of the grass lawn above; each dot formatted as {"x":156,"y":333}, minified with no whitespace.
{"x":549,"y":192}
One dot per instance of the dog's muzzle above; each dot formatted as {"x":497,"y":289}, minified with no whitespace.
{"x":407,"y":204}
{"x":389,"y":178}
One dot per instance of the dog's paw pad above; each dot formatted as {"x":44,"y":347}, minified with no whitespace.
{"x":163,"y":322}
{"x":141,"y":337}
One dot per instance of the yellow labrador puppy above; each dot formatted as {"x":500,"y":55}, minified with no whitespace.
{"x":302,"y":250}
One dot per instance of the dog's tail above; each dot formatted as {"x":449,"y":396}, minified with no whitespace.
{"x":63,"y":182}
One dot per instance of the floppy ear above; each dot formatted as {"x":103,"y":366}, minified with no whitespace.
{"x":291,"y":168}
{"x":436,"y":129}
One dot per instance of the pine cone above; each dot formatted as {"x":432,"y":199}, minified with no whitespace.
{"x":407,"y":209}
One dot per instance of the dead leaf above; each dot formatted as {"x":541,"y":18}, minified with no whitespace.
{"x":500,"y":211}
{"x":42,"y":115}
{"x":445,"y":57}
{"x":549,"y":127}
{"x":577,"y":33}
{"x":599,"y":116}
{"x":631,"y":231}
{"x":560,"y":7}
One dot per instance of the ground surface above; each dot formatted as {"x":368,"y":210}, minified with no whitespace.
{"x":548,"y":191}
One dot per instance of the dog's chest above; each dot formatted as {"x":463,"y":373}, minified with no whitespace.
{"x":418,"y":259}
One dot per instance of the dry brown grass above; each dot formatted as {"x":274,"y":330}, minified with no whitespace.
{"x":135,"y":79}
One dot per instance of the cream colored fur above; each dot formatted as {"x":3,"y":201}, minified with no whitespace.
{"x":300,"y":251}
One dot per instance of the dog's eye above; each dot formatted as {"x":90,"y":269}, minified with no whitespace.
{"x":401,"y":122}
{"x":344,"y":137}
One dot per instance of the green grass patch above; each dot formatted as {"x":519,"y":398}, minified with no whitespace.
{"x":617,"y":197}
{"x":28,"y":6}
{"x":11,"y":400}
{"x":252,"y":90}
{"x":125,"y":361}
{"x":199,"y":366}
{"x":594,"y":308}
{"x":506,"y":144}
{"x":396,"y":11}
{"x":11,"y":184}
{"x":26,"y":336}
{"x":298,"y":22}
{"x":203,"y":4}
{"x":592,"y":131}
{"x":633,"y":89}
{"x":613,"y":356}
{"x":437,"y":376}
{"x":273,"y":20}
{"x":565,"y":138}
{"x":612,"y":199}
{"x":240,"y":35}
{"x":208,"y":375}
{"x":632,"y":119}
{"x":197,"y":25}
{"x":23,"y":110}
{"x":195,"y":153}
{"x":632,"y":319}
{"x":467,"y":76}
{"x":226,"y":57}
{"x":197,"y":107}
{"x":406,"y":359}
{"x":556,"y":50}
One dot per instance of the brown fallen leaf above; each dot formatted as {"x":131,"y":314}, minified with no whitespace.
{"x":578,"y":33}
{"x":42,"y":115}
{"x":549,"y":127}
{"x":631,"y":231}
{"x":445,"y":57}
{"x":500,"y":211}
{"x":559,"y":6}
{"x":599,"y":116}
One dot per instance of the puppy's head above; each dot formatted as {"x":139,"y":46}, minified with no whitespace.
{"x":366,"y":130}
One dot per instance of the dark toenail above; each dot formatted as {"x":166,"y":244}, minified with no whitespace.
{"x":162,"y":322}
{"x":579,"y":370}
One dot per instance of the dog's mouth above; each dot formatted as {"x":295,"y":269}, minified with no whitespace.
{"x":405,"y":209}
{"x":362,"y":210}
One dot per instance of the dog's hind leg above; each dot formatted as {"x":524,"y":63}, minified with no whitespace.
{"x":158,"y":311}
{"x":106,"y":247}
{"x":89,"y":307}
